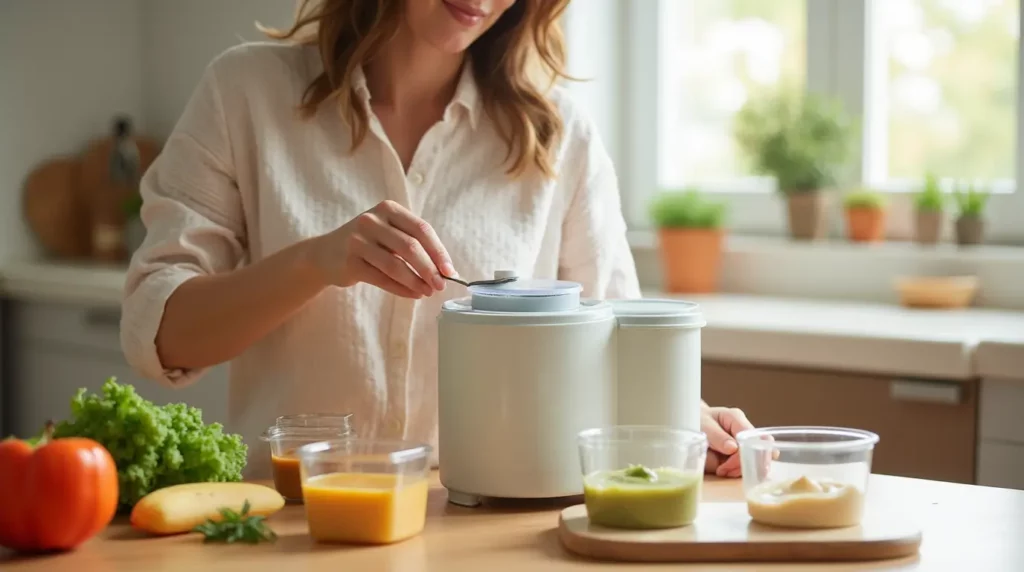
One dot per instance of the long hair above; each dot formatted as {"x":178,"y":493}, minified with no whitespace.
{"x":514,"y":64}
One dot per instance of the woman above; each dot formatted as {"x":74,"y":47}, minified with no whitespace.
{"x":302,"y":212}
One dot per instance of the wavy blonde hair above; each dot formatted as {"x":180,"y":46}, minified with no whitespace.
{"x":514,"y":63}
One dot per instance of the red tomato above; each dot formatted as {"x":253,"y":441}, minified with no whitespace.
{"x":55,"y":496}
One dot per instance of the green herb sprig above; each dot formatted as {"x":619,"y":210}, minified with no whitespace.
{"x":235,"y":527}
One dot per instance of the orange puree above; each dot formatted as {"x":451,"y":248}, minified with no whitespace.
{"x":365,"y":508}
{"x":287,"y":479}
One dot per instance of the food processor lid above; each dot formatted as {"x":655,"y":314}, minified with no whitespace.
{"x":658,"y":312}
{"x":529,"y":295}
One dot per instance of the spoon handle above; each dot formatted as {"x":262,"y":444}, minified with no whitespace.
{"x":455,"y":280}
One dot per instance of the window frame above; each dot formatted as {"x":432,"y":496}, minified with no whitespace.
{"x":837,"y":39}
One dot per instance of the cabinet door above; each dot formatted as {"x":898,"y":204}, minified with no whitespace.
{"x":48,"y":375}
{"x":927,"y":430}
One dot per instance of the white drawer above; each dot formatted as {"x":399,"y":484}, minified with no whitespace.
{"x":1001,"y":404}
{"x":1001,"y":465}
{"x":94,"y":327}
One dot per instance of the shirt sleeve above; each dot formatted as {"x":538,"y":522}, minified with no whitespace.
{"x":594,"y":250}
{"x":192,"y":211}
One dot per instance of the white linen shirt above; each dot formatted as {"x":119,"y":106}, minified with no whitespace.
{"x":243,"y":176}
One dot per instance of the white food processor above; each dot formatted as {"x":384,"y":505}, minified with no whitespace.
{"x":524,"y":366}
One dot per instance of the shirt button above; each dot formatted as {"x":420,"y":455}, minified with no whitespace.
{"x":396,"y":425}
{"x":416,"y":179}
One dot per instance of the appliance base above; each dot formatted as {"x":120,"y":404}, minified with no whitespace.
{"x":464,"y":499}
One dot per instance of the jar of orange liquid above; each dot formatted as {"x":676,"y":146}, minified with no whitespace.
{"x":365,"y":491}
{"x":293,"y":431}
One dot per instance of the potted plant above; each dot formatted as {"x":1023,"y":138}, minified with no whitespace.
{"x":929,"y":204}
{"x":970,"y":224}
{"x":865,"y":216}
{"x":804,"y":141}
{"x":134,"y":230}
{"x":690,"y":232}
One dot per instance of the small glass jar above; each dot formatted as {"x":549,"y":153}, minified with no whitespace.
{"x":806,"y":477}
{"x":292,"y":432}
{"x":365,"y":491}
{"x":642,"y":477}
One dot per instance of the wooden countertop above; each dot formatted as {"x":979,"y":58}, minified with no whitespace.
{"x":965,"y":528}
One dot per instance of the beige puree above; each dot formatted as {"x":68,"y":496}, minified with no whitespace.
{"x":806,"y":503}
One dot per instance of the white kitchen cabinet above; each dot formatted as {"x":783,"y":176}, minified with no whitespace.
{"x":56,"y":349}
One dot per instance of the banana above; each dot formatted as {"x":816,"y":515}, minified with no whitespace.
{"x":180,"y":508}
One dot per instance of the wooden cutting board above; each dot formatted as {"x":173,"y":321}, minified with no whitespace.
{"x":55,"y":209}
{"x":723,"y":532}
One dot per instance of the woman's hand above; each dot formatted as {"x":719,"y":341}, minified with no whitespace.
{"x":388,"y":247}
{"x":721,"y":425}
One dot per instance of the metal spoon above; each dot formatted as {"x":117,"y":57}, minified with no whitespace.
{"x":492,"y":282}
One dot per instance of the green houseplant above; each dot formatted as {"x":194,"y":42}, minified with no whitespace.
{"x":804,"y":141}
{"x":134,"y":230}
{"x":690,"y":234}
{"x":970,"y":223}
{"x":929,"y":204}
{"x":865,"y":215}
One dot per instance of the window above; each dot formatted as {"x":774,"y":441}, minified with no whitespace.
{"x":949,"y":69}
{"x":935,"y":83}
{"x":713,"y":55}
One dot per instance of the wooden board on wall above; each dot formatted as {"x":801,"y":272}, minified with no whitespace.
{"x":923,"y":438}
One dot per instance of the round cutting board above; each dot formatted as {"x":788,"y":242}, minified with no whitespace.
{"x":723,"y":532}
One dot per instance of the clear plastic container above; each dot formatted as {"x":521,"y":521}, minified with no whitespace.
{"x":642,"y":477}
{"x":806,"y":477}
{"x":365,"y":491}
{"x":316,"y":420}
{"x":285,"y":440}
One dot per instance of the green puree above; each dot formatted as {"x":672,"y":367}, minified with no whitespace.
{"x":638,"y":497}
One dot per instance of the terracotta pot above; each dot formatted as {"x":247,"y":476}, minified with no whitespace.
{"x":928,"y":227}
{"x":807,"y":215}
{"x":865,"y":224}
{"x":691,"y":259}
{"x":970,"y":230}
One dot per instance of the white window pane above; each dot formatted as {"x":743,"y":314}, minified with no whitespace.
{"x":713,"y":56}
{"x":952,"y":87}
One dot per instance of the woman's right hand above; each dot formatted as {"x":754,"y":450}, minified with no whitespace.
{"x":388,"y":247}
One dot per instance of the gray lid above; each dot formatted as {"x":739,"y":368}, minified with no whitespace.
{"x":658,"y":312}
{"x":586,"y":311}
{"x":529,"y":295}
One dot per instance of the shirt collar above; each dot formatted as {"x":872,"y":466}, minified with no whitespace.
{"x":467,"y":94}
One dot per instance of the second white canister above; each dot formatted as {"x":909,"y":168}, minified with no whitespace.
{"x":658,"y":362}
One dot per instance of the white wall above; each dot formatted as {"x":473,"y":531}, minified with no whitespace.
{"x":182,"y":36}
{"x":66,"y":68}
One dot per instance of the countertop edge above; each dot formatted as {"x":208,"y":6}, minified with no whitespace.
{"x":783,"y":342}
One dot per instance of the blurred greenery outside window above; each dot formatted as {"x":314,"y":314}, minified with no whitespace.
{"x":949,"y":102}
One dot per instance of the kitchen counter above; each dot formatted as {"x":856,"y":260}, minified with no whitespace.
{"x":823,"y":334}
{"x":964,"y":528}
{"x":862,"y":337}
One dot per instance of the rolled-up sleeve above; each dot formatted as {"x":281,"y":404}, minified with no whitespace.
{"x":192,"y":211}
{"x":594,"y":250}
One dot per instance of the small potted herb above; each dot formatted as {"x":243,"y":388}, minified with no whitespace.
{"x":804,"y":141}
{"x":929,"y":204}
{"x":690,"y":232}
{"x":865,"y":216}
{"x":134,"y":230}
{"x":970,"y":224}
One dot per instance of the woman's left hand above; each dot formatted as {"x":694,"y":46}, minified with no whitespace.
{"x":721,"y":425}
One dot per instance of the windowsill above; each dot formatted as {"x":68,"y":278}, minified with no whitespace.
{"x":840,"y":270}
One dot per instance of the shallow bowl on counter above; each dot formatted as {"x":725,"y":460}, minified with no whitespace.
{"x":288,"y":434}
{"x":937,"y":291}
{"x":365,"y":491}
{"x":642,"y":477}
{"x":806,"y":477}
